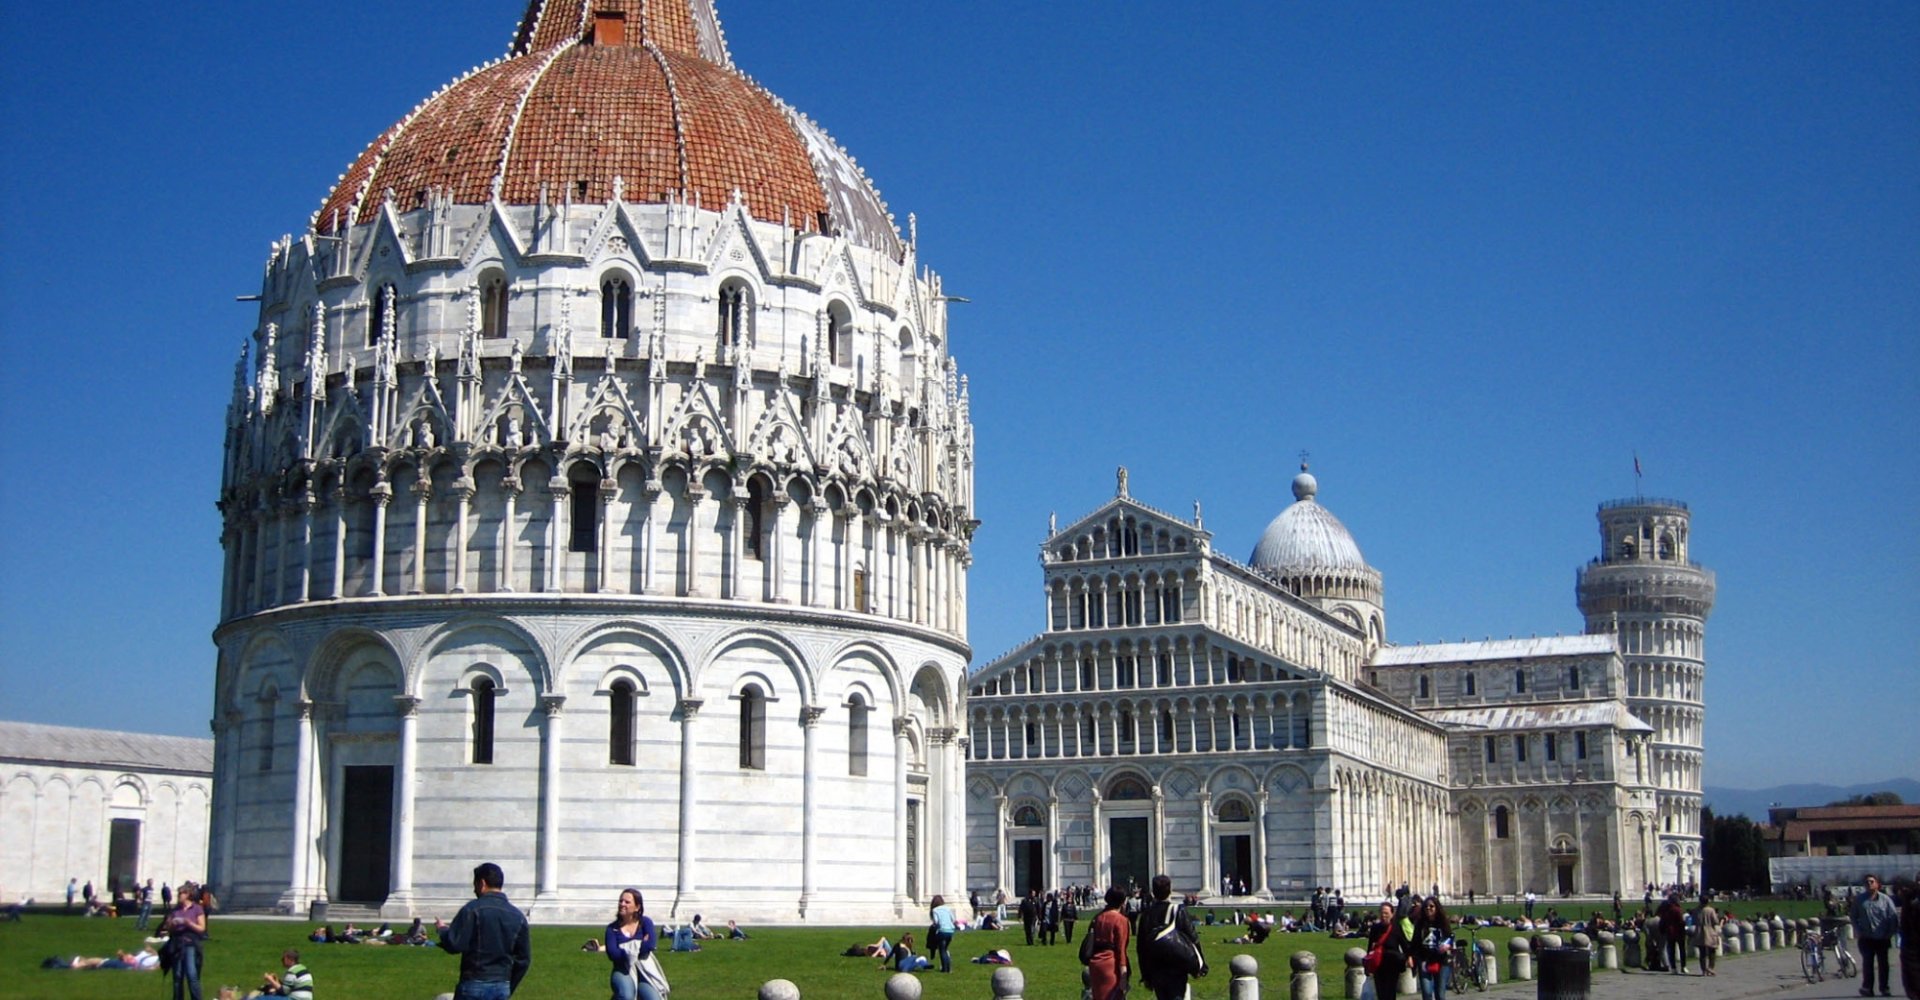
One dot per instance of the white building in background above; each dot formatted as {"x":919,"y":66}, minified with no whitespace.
{"x":598,"y":496}
{"x":99,"y":806}
{"x":1188,"y":713}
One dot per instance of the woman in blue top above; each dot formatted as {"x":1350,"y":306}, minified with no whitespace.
{"x":940,"y":934}
{"x":630,"y":939}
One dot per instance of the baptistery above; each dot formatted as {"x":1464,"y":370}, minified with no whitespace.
{"x":597,"y":501}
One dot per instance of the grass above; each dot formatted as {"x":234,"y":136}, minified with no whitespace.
{"x":242,"y":949}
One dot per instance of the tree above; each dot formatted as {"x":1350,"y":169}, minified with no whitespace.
{"x":1735,"y":853}
{"x":1871,"y":799}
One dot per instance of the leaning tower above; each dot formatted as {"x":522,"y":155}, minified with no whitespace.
{"x":1645,"y":591}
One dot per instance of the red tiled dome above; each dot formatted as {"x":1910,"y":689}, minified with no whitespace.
{"x":640,"y":90}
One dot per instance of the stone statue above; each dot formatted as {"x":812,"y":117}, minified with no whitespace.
{"x":1120,"y":486}
{"x":513,"y":356}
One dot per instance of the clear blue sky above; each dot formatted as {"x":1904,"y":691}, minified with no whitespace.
{"x":1472,"y":256}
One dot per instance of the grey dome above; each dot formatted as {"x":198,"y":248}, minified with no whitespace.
{"x":1306,"y":537}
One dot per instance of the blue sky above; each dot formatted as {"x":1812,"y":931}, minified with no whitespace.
{"x":1472,"y":257}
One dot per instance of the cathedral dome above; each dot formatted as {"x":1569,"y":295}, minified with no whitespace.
{"x":629,"y":94}
{"x":1306,"y":537}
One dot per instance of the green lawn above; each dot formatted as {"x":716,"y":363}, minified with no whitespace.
{"x":242,"y":949}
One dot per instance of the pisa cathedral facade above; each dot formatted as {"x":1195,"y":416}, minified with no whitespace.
{"x":597,"y":501}
{"x":1248,"y":722}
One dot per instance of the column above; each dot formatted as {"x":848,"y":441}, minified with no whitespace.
{"x":1209,"y":876}
{"x":400,"y":895}
{"x":259,"y":536}
{"x":809,"y":845}
{"x":1001,"y":857}
{"x":422,"y":491}
{"x":694,"y":532}
{"x":554,"y":578}
{"x":463,"y":496}
{"x":1053,"y":841}
{"x":381,"y":495}
{"x":953,"y":849}
{"x":509,"y":528}
{"x":1159,"y":841}
{"x":651,"y":499}
{"x":812,"y":592}
{"x":549,"y":868}
{"x":735,"y":550}
{"x":776,"y":561}
{"x":298,"y":894}
{"x":282,"y":512}
{"x":689,"y":797}
{"x":1260,"y":886}
{"x":1100,"y":862}
{"x":604,"y":537}
{"x":339,"y":542}
{"x":901,"y":749}
{"x":306,"y":546}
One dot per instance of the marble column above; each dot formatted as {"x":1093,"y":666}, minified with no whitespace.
{"x":400,"y":894}
{"x":687,"y":882}
{"x":463,"y":495}
{"x":422,"y":492}
{"x":553,"y":578}
{"x":902,"y":749}
{"x":297,"y":894}
{"x":381,"y":495}
{"x":1261,"y":888}
{"x":306,"y":502}
{"x":775,"y":563}
{"x":509,"y":528}
{"x":339,"y":542}
{"x":548,"y":876}
{"x":809,"y":842}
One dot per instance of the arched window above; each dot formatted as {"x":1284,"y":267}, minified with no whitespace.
{"x":1520,"y":681}
{"x":859,"y":589}
{"x":840,"y":334}
{"x":493,"y":305}
{"x":1128,"y":789}
{"x":1235,"y":811}
{"x":620,"y":723}
{"x":1426,"y":687}
{"x":379,"y":310}
{"x":753,"y":728}
{"x":583,"y":484}
{"x":1502,"y":826}
{"x":616,"y":307}
{"x":909,"y":363}
{"x":1520,"y":749}
{"x":1573,"y":677}
{"x":857,"y":736}
{"x":1467,"y":682}
{"x":736,"y":315}
{"x":1553,"y":747}
{"x":1028,"y":816}
{"x":483,"y":695}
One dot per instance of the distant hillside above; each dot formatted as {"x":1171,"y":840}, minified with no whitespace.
{"x":1753,"y":802}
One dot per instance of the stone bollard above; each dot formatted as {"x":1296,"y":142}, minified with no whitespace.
{"x":1580,"y":940}
{"x":1756,"y":932}
{"x":1356,"y":974}
{"x":1520,"y":960}
{"x":1630,"y":948}
{"x":1548,"y":940}
{"x":1244,"y":983}
{"x":902,"y":986}
{"x":1730,"y":938}
{"x":1306,"y":982}
{"x":1009,"y":983}
{"x":1779,"y":932}
{"x":1796,"y":932}
{"x":1609,"y":955}
{"x":781,"y":989}
{"x":1846,"y":932}
{"x":1487,"y":954}
{"x":1408,"y":985}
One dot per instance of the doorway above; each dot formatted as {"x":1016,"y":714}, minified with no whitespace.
{"x":123,"y":854}
{"x":913,"y":848}
{"x":1130,"y":851}
{"x":366,"y":833}
{"x":1564,"y":871}
{"x":1236,"y":860}
{"x":1029,"y":868}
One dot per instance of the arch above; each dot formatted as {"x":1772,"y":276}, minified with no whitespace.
{"x":783,"y":650}
{"x":1127,"y":786}
{"x":839,"y":333}
{"x":492,"y":289}
{"x":336,"y":651}
{"x":641,"y":633}
{"x":734,"y":323}
{"x":508,"y":635}
{"x":616,"y":303}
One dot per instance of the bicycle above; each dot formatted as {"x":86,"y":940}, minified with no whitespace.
{"x":1849,"y":969}
{"x":1813,"y":959}
{"x":1466,"y":966}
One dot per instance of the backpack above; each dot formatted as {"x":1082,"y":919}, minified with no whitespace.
{"x":1171,"y":950}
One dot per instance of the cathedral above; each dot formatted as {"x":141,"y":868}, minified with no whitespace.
{"x":597,"y":501}
{"x":1248,"y":729}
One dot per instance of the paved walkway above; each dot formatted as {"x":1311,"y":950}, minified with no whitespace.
{"x":1773,"y":974}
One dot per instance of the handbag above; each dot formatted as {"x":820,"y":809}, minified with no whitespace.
{"x":1375,"y":955}
{"x":653,"y":975}
{"x":1087,"y":948}
{"x":1174,"y":950}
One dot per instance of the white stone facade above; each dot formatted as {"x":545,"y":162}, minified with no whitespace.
{"x":1252,"y":717}
{"x":619,"y":542}
{"x":100,"y":806}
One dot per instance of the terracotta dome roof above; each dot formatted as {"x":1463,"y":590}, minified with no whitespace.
{"x":642,"y":91}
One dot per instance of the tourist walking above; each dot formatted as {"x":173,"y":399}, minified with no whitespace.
{"x":146,"y":906}
{"x":1433,"y":949}
{"x":1673,"y":934}
{"x":940,"y":933}
{"x":1069,"y":914}
{"x":1706,"y":934}
{"x":630,"y":943}
{"x":1875,"y":919}
{"x":1389,"y":945}
{"x":490,"y":936}
{"x":1030,"y":912}
{"x":1164,"y":925}
{"x":1104,"y":952}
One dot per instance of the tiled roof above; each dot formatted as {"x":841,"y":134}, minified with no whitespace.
{"x":1493,"y":649}
{"x":665,"y":111}
{"x":107,"y":748}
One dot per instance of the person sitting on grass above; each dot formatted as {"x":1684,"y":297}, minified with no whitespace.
{"x":417,"y":934}
{"x":878,"y":949}
{"x":902,"y":958}
{"x":734,"y":933}
{"x":13,"y":911}
{"x":998,"y":956}
{"x":322,"y":934}
{"x":701,"y":932}
{"x":295,"y":982}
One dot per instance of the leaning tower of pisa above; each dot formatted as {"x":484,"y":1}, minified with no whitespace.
{"x":1646,"y":591}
